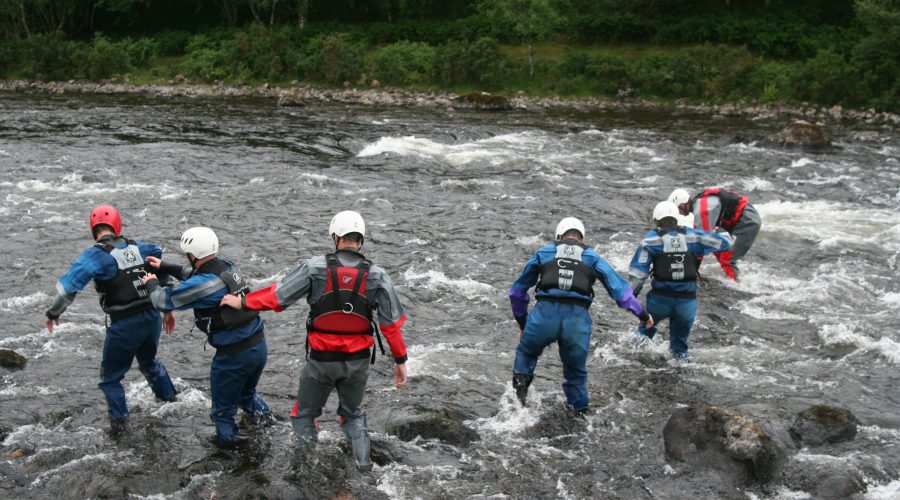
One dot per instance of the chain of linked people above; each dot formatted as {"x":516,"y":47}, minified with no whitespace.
{"x":354,"y":306}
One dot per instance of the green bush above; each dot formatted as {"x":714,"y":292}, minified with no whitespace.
{"x":206,"y":64}
{"x":333,"y":58}
{"x":50,"y":57}
{"x":827,"y":79}
{"x":140,"y":51}
{"x":405,"y":63}
{"x":106,"y":58}
{"x":172,"y":43}
{"x":488,"y":63}
{"x":261,"y":52}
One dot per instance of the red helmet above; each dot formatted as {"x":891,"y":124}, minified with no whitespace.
{"x":108,"y":215}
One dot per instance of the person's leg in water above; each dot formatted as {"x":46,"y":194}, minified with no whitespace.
{"x":541,"y":329}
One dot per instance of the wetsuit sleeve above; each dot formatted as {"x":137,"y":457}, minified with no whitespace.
{"x":639,"y":269}
{"x":391,"y":317}
{"x":518,"y":292}
{"x":204,"y":291}
{"x":83,"y":270}
{"x":174,"y":270}
{"x":617,"y":288}
{"x":706,"y":212}
{"x":278,"y":297}
{"x":711,"y":242}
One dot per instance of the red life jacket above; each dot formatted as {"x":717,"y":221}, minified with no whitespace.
{"x":342,"y":311}
{"x":732,"y":202}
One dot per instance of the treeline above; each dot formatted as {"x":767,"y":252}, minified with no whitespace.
{"x":827,"y":52}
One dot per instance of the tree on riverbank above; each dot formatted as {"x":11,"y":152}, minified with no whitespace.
{"x":821,"y":51}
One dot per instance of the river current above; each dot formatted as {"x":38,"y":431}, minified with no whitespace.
{"x":455,"y":204}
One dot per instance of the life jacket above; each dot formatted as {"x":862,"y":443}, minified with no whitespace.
{"x":732,"y":202}
{"x":567,"y":271}
{"x":675,"y":263}
{"x":343,"y":308}
{"x":218,"y":319}
{"x":125,"y":290}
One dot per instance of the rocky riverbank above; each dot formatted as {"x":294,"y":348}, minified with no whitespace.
{"x":375,"y":96}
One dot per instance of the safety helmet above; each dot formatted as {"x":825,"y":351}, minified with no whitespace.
{"x":200,"y":242}
{"x":347,"y":222}
{"x":107,"y":215}
{"x":567,"y":224}
{"x":679,"y":196}
{"x":665,"y":209}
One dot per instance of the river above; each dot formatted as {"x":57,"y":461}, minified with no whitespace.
{"x":455,"y":204}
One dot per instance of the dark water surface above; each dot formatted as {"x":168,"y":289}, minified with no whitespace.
{"x":455,"y":204}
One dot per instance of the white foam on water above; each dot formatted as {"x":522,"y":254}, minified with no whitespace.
{"x":189,"y":491}
{"x":846,"y":224}
{"x":512,"y":417}
{"x":470,"y":183}
{"x":883,"y":491}
{"x":417,"y":241}
{"x":591,"y":131}
{"x":36,"y":436}
{"x":496,"y":150}
{"x":318,"y":179}
{"x":111,"y":458}
{"x":533,"y":241}
{"x":466,"y":287}
{"x":11,"y":304}
{"x":257,"y":180}
{"x":757,"y":184}
{"x":802,"y":162}
{"x":847,"y":334}
{"x":190,"y":401}
{"x":879,"y":434}
{"x":420,"y":364}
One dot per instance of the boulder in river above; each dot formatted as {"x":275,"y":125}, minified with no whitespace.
{"x":11,"y":359}
{"x":725,"y":440}
{"x":827,"y":478}
{"x":290,"y":99}
{"x":482,"y":101}
{"x":820,"y":424}
{"x":804,"y":134}
{"x":431,"y":420}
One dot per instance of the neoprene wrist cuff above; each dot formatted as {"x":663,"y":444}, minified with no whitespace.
{"x":52,"y":316}
{"x":644,"y":316}
{"x":401,"y":359}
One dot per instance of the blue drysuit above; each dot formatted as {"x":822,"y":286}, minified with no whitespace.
{"x":673,"y":299}
{"x":562,"y":316}
{"x":233,"y":376}
{"x":128,"y":336}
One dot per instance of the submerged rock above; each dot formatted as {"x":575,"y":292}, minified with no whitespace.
{"x":482,"y":101}
{"x":11,"y":359}
{"x":724,"y":440}
{"x":820,"y":424}
{"x":430,"y":420}
{"x":825,"y":479}
{"x":801,"y":133}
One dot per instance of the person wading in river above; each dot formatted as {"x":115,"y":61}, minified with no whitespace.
{"x":115,"y":264}
{"x":238,"y":337}
{"x":721,"y":208}
{"x":670,"y":253}
{"x":345,"y":292}
{"x":564,"y":272}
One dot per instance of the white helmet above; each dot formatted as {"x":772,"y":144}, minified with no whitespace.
{"x":567,"y":224}
{"x":679,"y":196}
{"x":347,"y":222}
{"x":665,"y":209}
{"x":200,"y":242}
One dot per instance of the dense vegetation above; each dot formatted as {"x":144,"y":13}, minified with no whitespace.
{"x":823,"y":51}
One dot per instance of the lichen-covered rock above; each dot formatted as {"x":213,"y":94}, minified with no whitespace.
{"x":290,"y":99}
{"x":804,"y":134}
{"x":482,"y":101}
{"x":820,"y":424}
{"x":11,"y":360}
{"x":724,"y":440}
